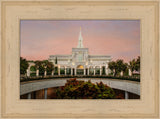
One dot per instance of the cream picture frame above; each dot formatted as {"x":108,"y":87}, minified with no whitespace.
{"x":12,"y":11}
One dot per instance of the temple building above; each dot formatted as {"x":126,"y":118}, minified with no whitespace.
{"x":80,"y":62}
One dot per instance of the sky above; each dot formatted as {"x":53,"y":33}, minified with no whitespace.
{"x":118,"y":38}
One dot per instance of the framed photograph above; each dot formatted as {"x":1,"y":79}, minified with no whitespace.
{"x":80,"y":59}
{"x":71,"y":73}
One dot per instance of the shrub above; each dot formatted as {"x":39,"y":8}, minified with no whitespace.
{"x":75,"y":89}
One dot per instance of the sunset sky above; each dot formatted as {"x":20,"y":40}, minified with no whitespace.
{"x":118,"y":38}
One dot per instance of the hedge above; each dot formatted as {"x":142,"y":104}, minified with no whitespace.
{"x":69,"y":76}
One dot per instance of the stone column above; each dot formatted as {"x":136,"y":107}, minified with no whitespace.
{"x":94,"y":71}
{"x":71,"y":71}
{"x":107,"y":70}
{"x":37,"y":72}
{"x":114,"y":72}
{"x":65,"y":72}
{"x":100,"y":71}
{"x":126,"y":95}
{"x":84,"y":71}
{"x":59,"y":73}
{"x":129,"y":71}
{"x":45,"y":73}
{"x":121,"y":73}
{"x":75,"y":71}
{"x":45,"y":70}
{"x":28,"y":72}
{"x":52,"y":72}
{"x":45,"y":93}
{"x":29,"y":96}
{"x":88,"y":71}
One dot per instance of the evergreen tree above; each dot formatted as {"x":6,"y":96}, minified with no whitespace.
{"x":56,"y":61}
{"x":137,"y":67}
{"x":23,"y":65}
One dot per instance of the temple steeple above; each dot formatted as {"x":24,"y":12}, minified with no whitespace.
{"x":80,"y":40}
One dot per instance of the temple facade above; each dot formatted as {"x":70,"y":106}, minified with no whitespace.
{"x":80,"y":62}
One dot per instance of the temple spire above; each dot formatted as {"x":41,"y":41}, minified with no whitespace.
{"x":80,"y":40}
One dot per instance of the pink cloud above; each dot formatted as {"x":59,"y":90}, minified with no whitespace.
{"x":120,"y":39}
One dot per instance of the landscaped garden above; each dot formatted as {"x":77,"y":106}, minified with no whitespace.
{"x":46,"y":70}
{"x":75,"y":89}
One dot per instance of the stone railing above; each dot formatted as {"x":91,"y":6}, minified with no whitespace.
{"x":127,"y":86}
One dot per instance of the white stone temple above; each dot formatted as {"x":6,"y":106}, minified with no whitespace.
{"x":80,"y":62}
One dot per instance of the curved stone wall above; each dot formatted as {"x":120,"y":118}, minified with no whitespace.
{"x":129,"y":86}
